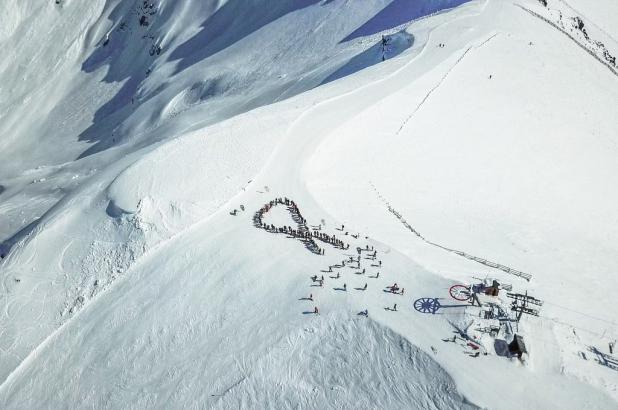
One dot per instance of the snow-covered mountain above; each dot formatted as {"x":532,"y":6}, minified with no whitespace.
{"x":152,"y":256}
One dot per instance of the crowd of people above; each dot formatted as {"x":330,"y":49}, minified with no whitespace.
{"x":303,"y":232}
{"x":354,"y":262}
{"x":309,"y":235}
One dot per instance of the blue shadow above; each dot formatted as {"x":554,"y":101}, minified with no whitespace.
{"x":399,"y":12}
{"x":373,"y":55}
{"x":234,"y":21}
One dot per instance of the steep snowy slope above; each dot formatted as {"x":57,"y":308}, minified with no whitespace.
{"x":148,"y":282}
{"x":121,"y":75}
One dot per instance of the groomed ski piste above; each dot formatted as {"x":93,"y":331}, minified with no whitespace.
{"x":220,"y":204}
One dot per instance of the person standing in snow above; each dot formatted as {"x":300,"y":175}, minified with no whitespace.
{"x":315,"y":311}
{"x":395,"y":307}
{"x":345,"y":287}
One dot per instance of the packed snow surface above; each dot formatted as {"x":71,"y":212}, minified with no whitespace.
{"x":208,"y":204}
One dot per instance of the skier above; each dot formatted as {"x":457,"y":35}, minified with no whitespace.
{"x":345,"y":287}
{"x":402,"y":289}
{"x":365,"y":287}
{"x":395,"y":307}
{"x":322,"y":283}
{"x":310,"y":297}
{"x":379,"y":263}
{"x":377,"y":275}
{"x":314,"y":278}
{"x":315,"y":310}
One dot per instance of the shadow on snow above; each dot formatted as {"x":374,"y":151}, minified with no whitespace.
{"x":399,"y":12}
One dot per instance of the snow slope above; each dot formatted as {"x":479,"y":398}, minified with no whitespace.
{"x":128,"y":283}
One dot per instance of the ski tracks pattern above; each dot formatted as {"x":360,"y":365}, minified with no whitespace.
{"x":435,"y":87}
{"x":468,"y":256}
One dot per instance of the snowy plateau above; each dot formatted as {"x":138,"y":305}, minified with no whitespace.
{"x":308,"y":204}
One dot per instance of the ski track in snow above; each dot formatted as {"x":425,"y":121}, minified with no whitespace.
{"x":482,"y":261}
{"x":435,"y":87}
